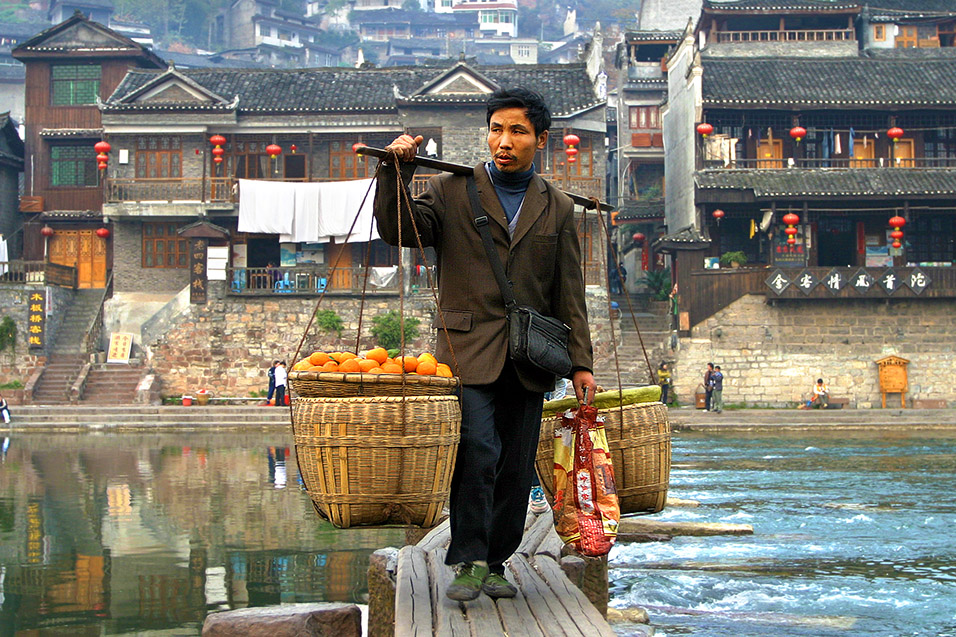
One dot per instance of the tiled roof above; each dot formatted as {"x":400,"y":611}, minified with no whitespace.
{"x":641,"y":209}
{"x":342,"y":90}
{"x":685,"y":236}
{"x":912,"y":53}
{"x":833,"y":83}
{"x":882,"y":182}
{"x":71,"y":132}
{"x":892,"y":10}
{"x":748,"y":6}
{"x":653,"y":36}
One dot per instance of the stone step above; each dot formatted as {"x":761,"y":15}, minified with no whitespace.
{"x":107,"y":415}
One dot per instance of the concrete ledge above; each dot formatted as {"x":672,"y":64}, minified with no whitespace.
{"x":326,"y":619}
{"x":929,"y":403}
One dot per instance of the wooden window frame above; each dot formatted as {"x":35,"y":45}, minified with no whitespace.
{"x":583,"y":167}
{"x":158,"y":244}
{"x":83,"y":158}
{"x":879,"y":33}
{"x":243,"y":153}
{"x":65,"y":79}
{"x":344,"y":163}
{"x":644,"y":117}
{"x":158,"y":154}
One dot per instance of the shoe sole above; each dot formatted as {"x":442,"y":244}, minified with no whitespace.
{"x":499,"y":594}
{"x":462,"y":594}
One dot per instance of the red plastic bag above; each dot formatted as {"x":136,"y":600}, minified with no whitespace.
{"x":586,"y":510}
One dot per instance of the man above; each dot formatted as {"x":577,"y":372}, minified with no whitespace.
{"x":821,"y":395}
{"x":272,"y":381}
{"x":281,"y":377}
{"x":708,"y":386}
{"x":533,"y":230}
{"x":717,"y":380}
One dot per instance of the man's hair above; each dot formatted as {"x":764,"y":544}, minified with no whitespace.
{"x":710,"y":364}
{"x":538,"y":113}
{"x":718,"y":367}
{"x":819,"y":380}
{"x":275,"y":362}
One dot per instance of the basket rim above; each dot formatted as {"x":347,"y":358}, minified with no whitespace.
{"x":378,"y":399}
{"x":371,"y":379}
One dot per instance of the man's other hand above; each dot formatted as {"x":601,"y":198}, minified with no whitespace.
{"x":583,"y":378}
{"x":405,"y":147}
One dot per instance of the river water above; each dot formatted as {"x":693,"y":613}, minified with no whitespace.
{"x":854,"y":534}
{"x":144,"y":534}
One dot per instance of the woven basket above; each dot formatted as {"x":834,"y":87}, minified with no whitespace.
{"x":345,"y":384}
{"x":377,"y":460}
{"x":640,"y":453}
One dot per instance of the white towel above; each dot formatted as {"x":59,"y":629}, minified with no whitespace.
{"x":382,"y":276}
{"x":4,"y":257}
{"x":266,"y":206}
{"x":340,"y":203}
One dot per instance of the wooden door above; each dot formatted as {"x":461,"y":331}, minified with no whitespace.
{"x":83,"y":250}
{"x":903,"y":153}
{"x":864,"y":154}
{"x":339,"y":256}
{"x":770,"y":153}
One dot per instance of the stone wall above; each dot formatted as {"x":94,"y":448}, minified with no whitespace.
{"x":129,"y":275}
{"x":21,"y":362}
{"x":226,"y":345}
{"x":772,"y":354}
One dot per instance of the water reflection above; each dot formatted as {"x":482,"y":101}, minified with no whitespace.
{"x":126,"y":532}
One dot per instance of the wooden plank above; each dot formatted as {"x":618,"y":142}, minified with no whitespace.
{"x":551,"y":545}
{"x":547,"y":609}
{"x":516,"y":615}
{"x":483,"y":619}
{"x":534,"y":535}
{"x":586,"y":618}
{"x":413,"y":605}
{"x":449,"y":616}
{"x":436,"y":538}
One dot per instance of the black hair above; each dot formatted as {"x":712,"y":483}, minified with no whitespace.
{"x":537,"y":110}
{"x":819,"y":380}
{"x":717,"y":367}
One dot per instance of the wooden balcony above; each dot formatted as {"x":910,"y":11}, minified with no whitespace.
{"x":312,"y":280}
{"x":795,"y":35}
{"x":18,"y":272}
{"x":861,"y":162}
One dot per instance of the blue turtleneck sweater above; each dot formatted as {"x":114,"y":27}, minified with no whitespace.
{"x":510,"y":187}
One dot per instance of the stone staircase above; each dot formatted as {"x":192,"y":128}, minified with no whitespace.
{"x":68,"y":354}
{"x":112,"y":384}
{"x":653,"y":321}
{"x":153,"y":417}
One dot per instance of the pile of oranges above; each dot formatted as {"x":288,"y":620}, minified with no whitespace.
{"x":375,"y":361}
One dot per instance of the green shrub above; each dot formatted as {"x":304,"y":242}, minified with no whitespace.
{"x":8,"y":333}
{"x":387,"y":329}
{"x":733,"y":257}
{"x":13,"y":384}
{"x":658,"y":283}
{"x":329,"y":321}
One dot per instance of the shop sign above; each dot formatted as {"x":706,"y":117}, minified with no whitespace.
{"x":120,"y":346}
{"x":787,"y":255}
{"x":197,"y":270}
{"x":917,"y":281}
{"x":835,"y":281}
{"x":861,"y":281}
{"x":806,"y":281}
{"x":778,"y":281}
{"x":36,"y":320}
{"x":889,"y":281}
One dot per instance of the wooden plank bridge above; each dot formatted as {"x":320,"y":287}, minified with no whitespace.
{"x":551,"y":600}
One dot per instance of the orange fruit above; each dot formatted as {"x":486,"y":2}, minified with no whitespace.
{"x":344,"y":356}
{"x":392,"y":368}
{"x":336,"y":356}
{"x":319,"y":358}
{"x":426,"y":368}
{"x":330,"y":366}
{"x":443,"y":370}
{"x":366,"y":364}
{"x":376,"y":370}
{"x":409,"y":362}
{"x":377,"y":354}
{"x":316,"y":368}
{"x":302,"y":365}
{"x":350,"y":365}
{"x":427,"y":357}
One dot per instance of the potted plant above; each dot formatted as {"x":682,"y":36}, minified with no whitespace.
{"x":733,"y":259}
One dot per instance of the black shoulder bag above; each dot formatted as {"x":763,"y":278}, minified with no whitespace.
{"x":532,"y":337}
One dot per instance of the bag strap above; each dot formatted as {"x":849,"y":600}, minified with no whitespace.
{"x":481,"y":222}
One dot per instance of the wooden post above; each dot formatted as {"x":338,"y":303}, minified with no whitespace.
{"x":381,"y":592}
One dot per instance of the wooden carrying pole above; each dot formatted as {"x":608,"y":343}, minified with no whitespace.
{"x":461,"y":169}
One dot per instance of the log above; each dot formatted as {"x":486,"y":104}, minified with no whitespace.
{"x":698,"y":529}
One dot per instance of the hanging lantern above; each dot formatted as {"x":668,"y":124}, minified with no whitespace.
{"x":102,"y":147}
{"x":102,"y":157}
{"x":217,"y":140}
{"x":274,"y":150}
{"x":791,"y":240}
{"x":571,"y":140}
{"x":102,"y":165}
{"x":897,"y":245}
{"x":895,"y":133}
{"x":705,"y":129}
{"x":102,"y":233}
{"x":218,"y":160}
{"x":718,"y":214}
{"x":293,"y":148}
{"x":218,"y":151}
{"x":572,"y":153}
{"x":46,"y":231}
{"x":638,"y":237}
{"x":798,"y":133}
{"x":791,"y":219}
{"x":790,"y":230}
{"x":896,"y":234}
{"x":357,"y":145}
{"x":897,"y":222}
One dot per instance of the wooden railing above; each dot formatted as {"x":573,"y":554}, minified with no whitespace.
{"x":38,"y":272}
{"x":307,"y":280}
{"x":712,"y":290}
{"x":868,"y":162}
{"x":796,"y":35}
{"x":92,"y":335}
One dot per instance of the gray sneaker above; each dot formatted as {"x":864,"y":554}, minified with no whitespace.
{"x":466,"y":586}
{"x":496,"y":586}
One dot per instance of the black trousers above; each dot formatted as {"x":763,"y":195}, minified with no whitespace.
{"x":707,"y":393}
{"x":500,"y":424}
{"x":280,"y":395}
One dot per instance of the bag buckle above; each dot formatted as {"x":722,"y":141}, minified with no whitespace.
{"x":481,"y":221}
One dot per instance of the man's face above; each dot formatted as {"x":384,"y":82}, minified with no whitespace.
{"x":512,"y":140}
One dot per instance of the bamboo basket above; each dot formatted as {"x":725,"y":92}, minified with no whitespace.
{"x":377,"y":460}
{"x":344,"y":384}
{"x":640,"y":453}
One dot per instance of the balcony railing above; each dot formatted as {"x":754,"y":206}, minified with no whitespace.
{"x":37,"y":272}
{"x":796,"y":35}
{"x":311,"y":280}
{"x":868,"y":162}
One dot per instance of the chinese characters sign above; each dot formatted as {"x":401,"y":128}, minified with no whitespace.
{"x":36,"y":320}
{"x":197,"y":270}
{"x":120,"y":345}
{"x":786,"y":255}
{"x":862,"y":281}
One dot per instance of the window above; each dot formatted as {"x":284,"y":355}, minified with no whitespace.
{"x":344,"y":163}
{"x":879,"y":32}
{"x":73,"y":85}
{"x":163,"y":247}
{"x":250,"y":160}
{"x":908,"y":38}
{"x":73,"y":166}
{"x":645,"y":117}
{"x":159,"y":158}
{"x":579,"y":168}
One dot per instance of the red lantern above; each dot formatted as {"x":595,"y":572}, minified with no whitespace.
{"x":102,"y":165}
{"x":718,"y":214}
{"x":218,"y":160}
{"x":571,"y":152}
{"x":102,"y":147}
{"x":102,"y":233}
{"x":791,"y":240}
{"x":705,"y":129}
{"x":102,"y":157}
{"x":895,"y":133}
{"x":638,"y":237}
{"x":217,"y":140}
{"x":293,"y":148}
{"x":897,"y":245}
{"x":46,"y":231}
{"x":897,"y":234}
{"x":798,"y":132}
{"x":218,"y":151}
{"x":571,"y":140}
{"x":897,"y":222}
{"x":357,"y":145}
{"x":791,"y":219}
{"x":274,"y":150}
{"x":790,"y":230}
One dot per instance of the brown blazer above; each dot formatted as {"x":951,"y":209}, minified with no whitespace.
{"x":543,"y":262}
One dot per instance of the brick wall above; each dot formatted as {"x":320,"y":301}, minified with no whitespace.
{"x":771,"y":355}
{"x":129,"y":275}
{"x":19,"y":363}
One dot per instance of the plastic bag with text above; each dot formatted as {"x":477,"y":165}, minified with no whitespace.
{"x":586,"y":510}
